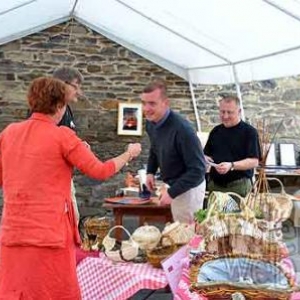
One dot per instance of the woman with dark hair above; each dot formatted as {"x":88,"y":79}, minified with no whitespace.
{"x":38,"y":228}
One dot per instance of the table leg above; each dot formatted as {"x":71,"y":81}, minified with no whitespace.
{"x":169,"y":217}
{"x":118,"y":214}
{"x":142,"y":220}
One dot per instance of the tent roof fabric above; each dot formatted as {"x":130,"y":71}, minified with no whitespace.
{"x":202,"y":41}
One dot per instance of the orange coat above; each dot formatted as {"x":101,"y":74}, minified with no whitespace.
{"x":36,"y":164}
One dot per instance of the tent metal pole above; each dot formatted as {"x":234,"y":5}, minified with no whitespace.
{"x":238,"y":91}
{"x":195,"y":107}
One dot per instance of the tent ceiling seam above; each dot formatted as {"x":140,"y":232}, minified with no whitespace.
{"x":248,"y":59}
{"x":106,"y":33}
{"x":285,"y":11}
{"x":32,"y":30}
{"x":16,"y":7}
{"x":174,"y":32}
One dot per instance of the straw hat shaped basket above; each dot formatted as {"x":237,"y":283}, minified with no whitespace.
{"x":127,"y":251}
{"x":147,"y":237}
{"x":180,"y":233}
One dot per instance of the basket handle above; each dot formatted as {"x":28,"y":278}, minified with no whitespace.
{"x":167,"y":237}
{"x":212,"y":208}
{"x":279,"y":181}
{"x":119,"y":226}
{"x":242,"y":200}
{"x":248,"y":213}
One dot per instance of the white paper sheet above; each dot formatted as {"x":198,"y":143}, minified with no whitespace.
{"x":287,"y":154}
{"x":173,"y":267}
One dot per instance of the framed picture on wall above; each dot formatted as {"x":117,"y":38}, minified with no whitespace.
{"x":287,"y":154}
{"x":130,"y":118}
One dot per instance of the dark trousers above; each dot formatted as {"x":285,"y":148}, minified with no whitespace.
{"x":241,"y":186}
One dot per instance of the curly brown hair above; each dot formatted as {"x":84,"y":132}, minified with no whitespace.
{"x":46,"y":95}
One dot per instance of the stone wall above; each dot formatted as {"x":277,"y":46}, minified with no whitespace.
{"x":113,"y":74}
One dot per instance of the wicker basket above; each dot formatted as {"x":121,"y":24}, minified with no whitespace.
{"x":180,"y":233}
{"x":221,"y":290}
{"x":275,"y":207}
{"x":95,"y":229}
{"x":147,"y":237}
{"x":127,"y":251}
{"x":159,"y":253}
{"x":237,"y":233}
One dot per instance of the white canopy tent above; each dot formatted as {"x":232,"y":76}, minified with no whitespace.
{"x":202,"y":41}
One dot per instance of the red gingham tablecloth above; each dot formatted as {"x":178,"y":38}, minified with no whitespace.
{"x":100,"y":278}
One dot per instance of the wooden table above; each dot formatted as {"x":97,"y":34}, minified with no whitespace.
{"x":145,"y":212}
{"x":290,"y":179}
{"x":291,"y":182}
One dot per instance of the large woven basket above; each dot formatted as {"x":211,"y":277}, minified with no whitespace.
{"x":160,"y":252}
{"x":237,"y":233}
{"x":221,"y":290}
{"x":275,"y":207}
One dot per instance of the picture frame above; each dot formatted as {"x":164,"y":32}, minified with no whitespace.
{"x":130,"y":118}
{"x":271,"y":157}
{"x":287,"y":154}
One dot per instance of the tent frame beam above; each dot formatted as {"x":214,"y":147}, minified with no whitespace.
{"x":285,"y":11}
{"x":16,"y":7}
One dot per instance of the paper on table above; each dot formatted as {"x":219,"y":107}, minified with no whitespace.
{"x":173,"y":266}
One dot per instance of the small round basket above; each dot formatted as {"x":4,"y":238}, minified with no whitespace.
{"x":160,"y":252}
{"x":95,"y":229}
{"x":125,"y":251}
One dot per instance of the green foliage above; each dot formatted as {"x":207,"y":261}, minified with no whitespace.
{"x":200,"y":215}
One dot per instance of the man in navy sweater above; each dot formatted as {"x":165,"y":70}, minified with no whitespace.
{"x":176,"y":150}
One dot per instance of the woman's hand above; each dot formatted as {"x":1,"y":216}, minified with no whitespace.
{"x":134,"y":150}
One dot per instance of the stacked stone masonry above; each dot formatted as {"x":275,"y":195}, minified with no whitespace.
{"x":112,"y":74}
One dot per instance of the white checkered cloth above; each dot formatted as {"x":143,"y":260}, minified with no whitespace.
{"x":100,"y":278}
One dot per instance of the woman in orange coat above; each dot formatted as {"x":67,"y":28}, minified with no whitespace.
{"x":38,"y":229}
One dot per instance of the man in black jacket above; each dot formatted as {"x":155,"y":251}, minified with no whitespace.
{"x":74,"y":78}
{"x":232,"y":150}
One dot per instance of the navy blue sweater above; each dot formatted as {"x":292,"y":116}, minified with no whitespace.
{"x":176,"y":150}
